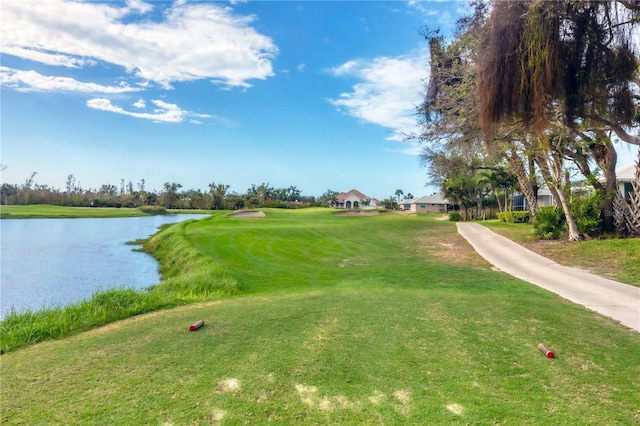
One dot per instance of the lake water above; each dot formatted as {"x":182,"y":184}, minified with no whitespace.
{"x":47,"y":262}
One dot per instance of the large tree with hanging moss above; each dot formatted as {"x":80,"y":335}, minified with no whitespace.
{"x":568,"y":71}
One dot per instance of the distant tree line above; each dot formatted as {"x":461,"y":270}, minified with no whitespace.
{"x":172,"y":196}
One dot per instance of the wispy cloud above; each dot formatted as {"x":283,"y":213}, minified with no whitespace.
{"x":388,"y":90}
{"x":162,"y":112}
{"x":432,"y":10}
{"x":192,"y":41}
{"x":32,"y":81}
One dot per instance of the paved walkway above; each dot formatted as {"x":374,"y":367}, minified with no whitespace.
{"x":612,"y":299}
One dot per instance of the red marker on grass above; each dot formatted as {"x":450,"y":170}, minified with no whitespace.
{"x":546,"y":351}
{"x":196,"y":325}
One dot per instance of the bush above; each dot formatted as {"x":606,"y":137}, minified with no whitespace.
{"x":153,"y":210}
{"x":550,"y":223}
{"x":586,"y":212}
{"x":514,"y":216}
{"x":455,"y":217}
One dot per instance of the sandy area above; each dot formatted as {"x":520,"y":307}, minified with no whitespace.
{"x":368,"y":212}
{"x":248,"y":214}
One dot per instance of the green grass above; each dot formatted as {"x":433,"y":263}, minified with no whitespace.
{"x":388,"y":319}
{"x":616,"y":258}
{"x":188,"y":278}
{"x":52,"y":211}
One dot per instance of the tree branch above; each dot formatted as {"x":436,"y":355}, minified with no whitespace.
{"x":617,"y":129}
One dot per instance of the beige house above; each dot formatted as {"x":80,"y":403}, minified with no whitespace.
{"x":355,"y":199}
{"x":429,"y":204}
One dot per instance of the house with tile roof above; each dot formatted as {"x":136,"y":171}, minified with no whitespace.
{"x":355,"y":199}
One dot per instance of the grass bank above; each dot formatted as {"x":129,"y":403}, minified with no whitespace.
{"x":618,"y":259}
{"x":187,"y":278}
{"x":52,"y":211}
{"x":387,"y":319}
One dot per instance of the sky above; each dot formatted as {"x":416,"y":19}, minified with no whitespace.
{"x":312,"y":94}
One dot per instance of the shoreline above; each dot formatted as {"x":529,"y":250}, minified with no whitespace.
{"x":51,"y":211}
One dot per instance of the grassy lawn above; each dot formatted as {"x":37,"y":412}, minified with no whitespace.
{"x":618,"y":259}
{"x":387,"y":319}
{"x":51,"y":211}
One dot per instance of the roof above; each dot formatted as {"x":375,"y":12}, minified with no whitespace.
{"x":430,"y":199}
{"x":626,"y":173}
{"x":343,"y":195}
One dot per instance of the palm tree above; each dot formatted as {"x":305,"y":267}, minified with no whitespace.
{"x":399,"y":193}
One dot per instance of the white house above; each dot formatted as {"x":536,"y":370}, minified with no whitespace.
{"x":624,"y":176}
{"x":432,"y":203}
{"x":545,"y":198}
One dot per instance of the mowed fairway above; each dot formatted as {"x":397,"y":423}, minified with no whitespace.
{"x":385,"y":319}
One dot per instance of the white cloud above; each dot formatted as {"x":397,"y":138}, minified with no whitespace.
{"x":193,"y":41}
{"x":140,"y":103}
{"x":165,"y":112}
{"x":161,"y":112}
{"x":439,"y":11}
{"x":387,"y":92}
{"x":32,"y":81}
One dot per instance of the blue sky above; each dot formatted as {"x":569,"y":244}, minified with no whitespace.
{"x":304,"y":93}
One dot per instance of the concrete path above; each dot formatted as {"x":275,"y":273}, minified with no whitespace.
{"x":615,"y":300}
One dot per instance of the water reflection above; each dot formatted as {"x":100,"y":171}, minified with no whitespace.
{"x":47,"y":262}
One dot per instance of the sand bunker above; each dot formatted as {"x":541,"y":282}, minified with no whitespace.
{"x":369,"y":212}
{"x":248,"y":214}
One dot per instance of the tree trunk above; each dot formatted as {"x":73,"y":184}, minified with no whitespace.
{"x":525,"y":183}
{"x":574,"y":235}
{"x":552,"y":170}
{"x":606,"y":158}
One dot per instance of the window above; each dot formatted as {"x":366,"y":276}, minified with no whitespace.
{"x":628,"y":190}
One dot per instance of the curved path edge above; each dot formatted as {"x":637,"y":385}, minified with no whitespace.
{"x":620,"y":302}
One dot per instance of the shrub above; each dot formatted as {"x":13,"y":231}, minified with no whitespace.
{"x":455,"y":217}
{"x":586,"y":212}
{"x":153,"y":210}
{"x":514,"y":216}
{"x":550,"y":223}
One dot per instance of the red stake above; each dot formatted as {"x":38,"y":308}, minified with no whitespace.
{"x":546,"y":351}
{"x":196,"y":325}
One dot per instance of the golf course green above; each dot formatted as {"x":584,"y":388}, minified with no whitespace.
{"x":314,"y":316}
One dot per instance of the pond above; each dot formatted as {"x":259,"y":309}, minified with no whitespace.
{"x":54,"y":262}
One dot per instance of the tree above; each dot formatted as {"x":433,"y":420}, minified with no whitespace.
{"x":451,"y":139}
{"x":218,"y":193}
{"x":563,"y":67}
{"x":7,"y":191}
{"x":498,"y":179}
{"x":142,"y":194}
{"x":399,"y":193}
{"x":328,"y":197}
{"x":26,"y":188}
{"x":169,"y":197}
